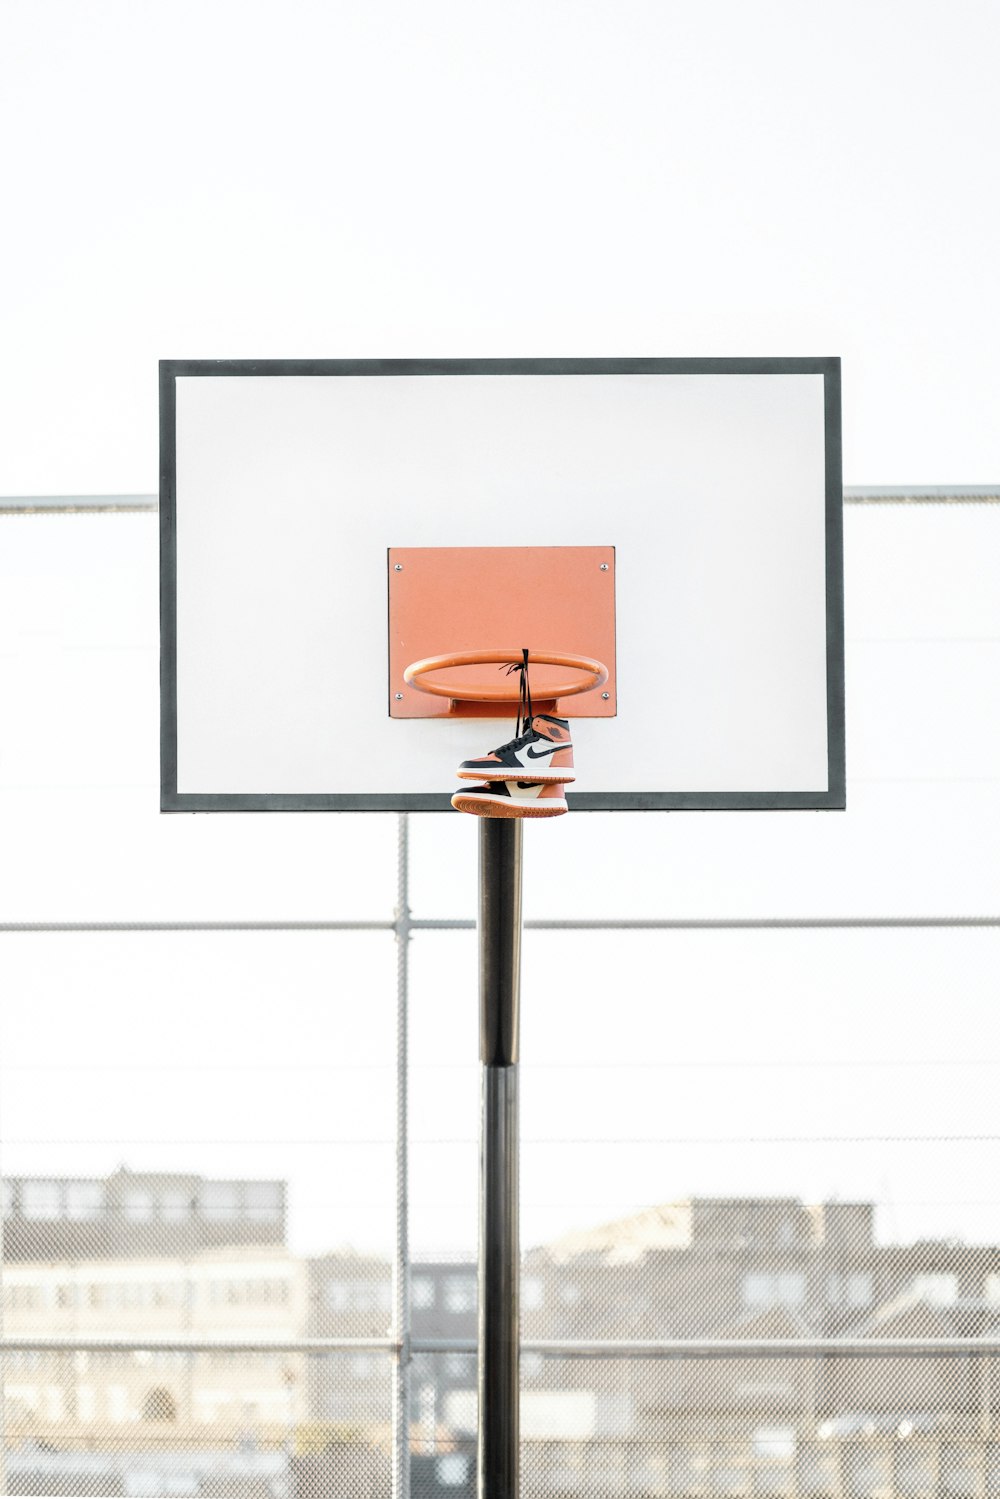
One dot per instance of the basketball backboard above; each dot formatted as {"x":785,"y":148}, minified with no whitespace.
{"x":689,"y":511}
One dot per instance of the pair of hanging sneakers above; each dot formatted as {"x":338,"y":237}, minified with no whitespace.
{"x":525,"y":777}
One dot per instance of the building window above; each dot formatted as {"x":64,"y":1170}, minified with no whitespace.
{"x":936,"y":1289}
{"x":175,"y":1205}
{"x":6,"y":1197}
{"x":257,"y":1292}
{"x":224,"y":1292}
{"x":460,"y":1293}
{"x":138,"y":1205}
{"x":774,"y":1441}
{"x":532,"y":1293}
{"x":850,"y":1290}
{"x":220,"y":1201}
{"x":55,"y":1402}
{"x":132,"y":1295}
{"x":422,"y":1293}
{"x":263,"y":1201}
{"x":41,"y":1199}
{"x":791,"y":1289}
{"x":786,"y":1288}
{"x":758,"y":1290}
{"x":16,"y":1360}
{"x":357,"y":1295}
{"x":25,"y":1298}
{"x":84,"y":1200}
{"x":452,"y":1470}
{"x":159,"y":1405}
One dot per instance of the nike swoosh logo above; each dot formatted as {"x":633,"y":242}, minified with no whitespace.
{"x":537,"y":754}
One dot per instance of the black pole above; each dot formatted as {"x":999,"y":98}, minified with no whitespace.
{"x":499,"y":1248}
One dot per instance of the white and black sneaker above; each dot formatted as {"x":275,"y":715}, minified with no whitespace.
{"x":544,"y":752}
{"x":512,"y":799}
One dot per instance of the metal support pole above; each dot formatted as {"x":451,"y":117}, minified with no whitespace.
{"x":499,"y":1248}
{"x":401,"y":1258}
{"x":3,"y":1379}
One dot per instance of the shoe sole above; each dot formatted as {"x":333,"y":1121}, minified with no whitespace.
{"x":509,"y":773}
{"x":501,"y":806}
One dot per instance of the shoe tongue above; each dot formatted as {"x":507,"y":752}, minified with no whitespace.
{"x":543,"y":725}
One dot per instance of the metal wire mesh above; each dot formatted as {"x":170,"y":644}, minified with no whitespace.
{"x":443,"y":1424}
{"x":758,"y":1268}
{"x":826,"y":1427}
{"x":167,"y":1330}
{"x":156,"y":1422}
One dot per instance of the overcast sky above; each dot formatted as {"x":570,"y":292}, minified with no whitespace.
{"x":222,"y":180}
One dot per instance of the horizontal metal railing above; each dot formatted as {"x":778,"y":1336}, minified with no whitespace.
{"x":76,"y":1344}
{"x":854,"y":494}
{"x":656,"y":1348}
{"x":540,"y":924}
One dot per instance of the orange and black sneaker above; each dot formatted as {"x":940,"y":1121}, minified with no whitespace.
{"x":544,"y":752}
{"x":512,"y":799}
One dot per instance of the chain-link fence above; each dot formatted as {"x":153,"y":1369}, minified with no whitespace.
{"x":762,"y":1248}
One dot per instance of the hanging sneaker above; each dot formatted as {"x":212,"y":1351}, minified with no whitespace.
{"x":544,"y":752}
{"x":512,"y":799}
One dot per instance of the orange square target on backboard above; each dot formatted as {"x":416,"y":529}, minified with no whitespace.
{"x":492,"y":602}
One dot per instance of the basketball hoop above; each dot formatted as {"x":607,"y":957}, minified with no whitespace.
{"x":419,"y":674}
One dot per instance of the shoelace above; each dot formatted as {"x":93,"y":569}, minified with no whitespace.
{"x":525,"y":711}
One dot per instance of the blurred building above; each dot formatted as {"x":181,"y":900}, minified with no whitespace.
{"x":350,"y":1296}
{"x":725,"y":1268}
{"x":133,"y":1214}
{"x":716,"y":1272}
{"x":195,"y":1398}
{"x":444,"y":1301}
{"x":731,"y":1270}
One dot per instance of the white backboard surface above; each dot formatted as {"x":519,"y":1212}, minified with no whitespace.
{"x":284,"y":484}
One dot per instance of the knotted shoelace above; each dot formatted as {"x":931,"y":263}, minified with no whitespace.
{"x":525,"y":711}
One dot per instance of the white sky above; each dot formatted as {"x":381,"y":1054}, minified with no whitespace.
{"x":221,"y":180}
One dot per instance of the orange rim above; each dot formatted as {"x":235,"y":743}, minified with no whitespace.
{"x":595,"y":674}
